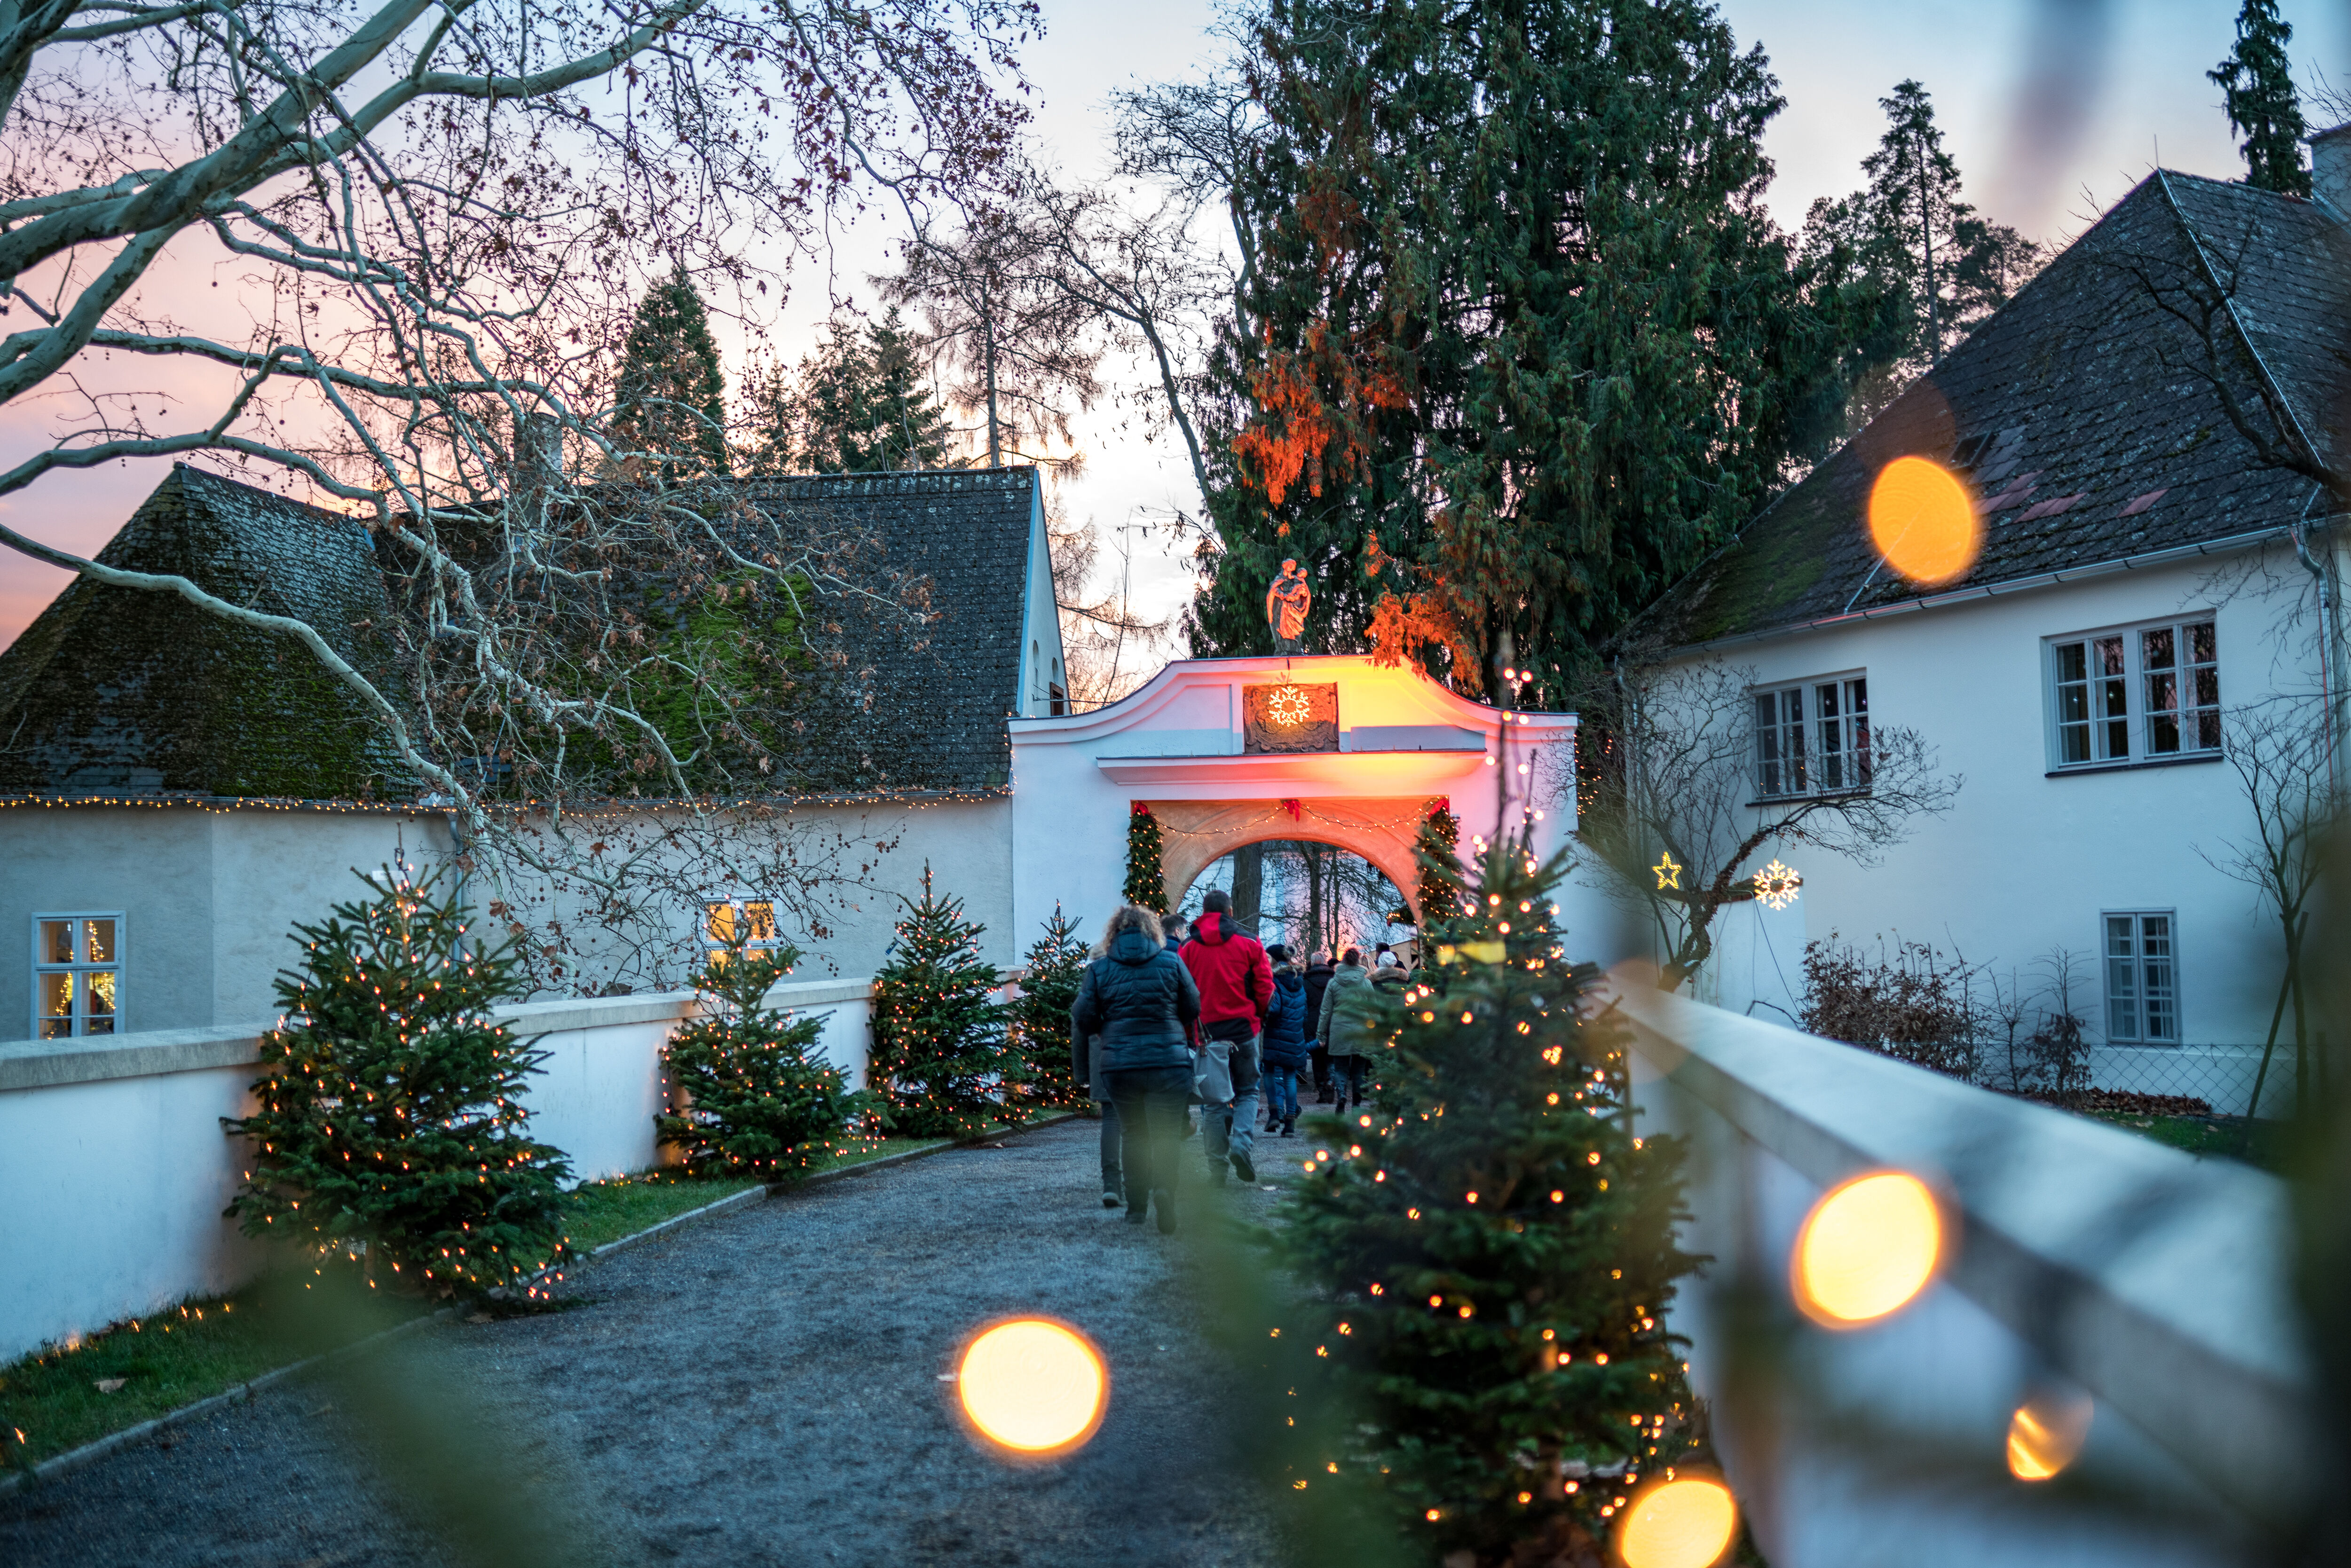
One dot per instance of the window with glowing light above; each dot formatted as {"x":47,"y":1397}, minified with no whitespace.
{"x":2142,"y":970}
{"x":77,"y":974}
{"x":2141,"y":694}
{"x":754,"y":918}
{"x":1813,"y":738}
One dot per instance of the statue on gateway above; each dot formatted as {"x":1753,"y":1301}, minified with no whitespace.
{"x":1285,"y":608}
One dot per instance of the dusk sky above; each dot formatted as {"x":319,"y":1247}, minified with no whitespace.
{"x":2115,"y":83}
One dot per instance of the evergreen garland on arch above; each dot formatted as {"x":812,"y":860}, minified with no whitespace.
{"x":1146,"y":877}
{"x":755,"y":1099}
{"x":1480,"y":1363}
{"x":940,"y":1056}
{"x":390,"y":1117}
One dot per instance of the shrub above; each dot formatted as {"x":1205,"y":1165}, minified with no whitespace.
{"x":751,"y":1096}
{"x":1910,"y":1002}
{"x":390,"y":1120}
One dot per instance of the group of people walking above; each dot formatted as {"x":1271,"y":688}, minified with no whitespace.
{"x":1166,"y":1019}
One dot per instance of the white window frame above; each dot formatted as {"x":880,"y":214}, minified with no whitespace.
{"x":77,"y":1021}
{"x":2139,"y":988}
{"x":2139,"y":724}
{"x":740,"y":907}
{"x":1843,"y":737}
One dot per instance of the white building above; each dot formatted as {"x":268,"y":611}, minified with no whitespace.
{"x":2137,"y":595}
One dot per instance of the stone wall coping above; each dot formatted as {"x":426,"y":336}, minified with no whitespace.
{"x":2156,"y":1280}
{"x":54,"y":1064}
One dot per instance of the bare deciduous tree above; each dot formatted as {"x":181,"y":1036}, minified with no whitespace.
{"x":1669,"y":774}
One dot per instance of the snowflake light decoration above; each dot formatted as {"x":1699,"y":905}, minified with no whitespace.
{"x":1776,"y":885}
{"x":1287,"y":706}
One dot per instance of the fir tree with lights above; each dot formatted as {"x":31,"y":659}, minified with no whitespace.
{"x":390,"y":1117}
{"x":1438,"y":848}
{"x":752,"y":1096}
{"x":939,"y":1052}
{"x":1490,"y":1254}
{"x":1054,"y":966}
{"x":1146,"y":877}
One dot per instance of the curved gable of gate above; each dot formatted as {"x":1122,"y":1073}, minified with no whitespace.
{"x":1228,"y":752}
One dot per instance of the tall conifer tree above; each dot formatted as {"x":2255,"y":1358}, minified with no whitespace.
{"x":2256,"y":81}
{"x":672,"y":394}
{"x":940,"y":1056}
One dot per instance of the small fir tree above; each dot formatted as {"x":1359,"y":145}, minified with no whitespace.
{"x":1056,"y":963}
{"x":1146,"y":878}
{"x":2256,"y":83}
{"x":391,"y":1116}
{"x":1438,"y":851}
{"x":939,"y":1052}
{"x":754,"y":1097}
{"x":1491,"y":1253}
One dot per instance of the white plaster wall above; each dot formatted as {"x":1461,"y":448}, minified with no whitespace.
{"x":2024,"y":861}
{"x":114,"y":1197}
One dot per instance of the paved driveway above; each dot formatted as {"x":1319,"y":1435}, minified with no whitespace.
{"x":762,"y":1388}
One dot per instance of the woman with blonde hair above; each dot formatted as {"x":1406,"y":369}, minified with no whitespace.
{"x":1131,"y":1028}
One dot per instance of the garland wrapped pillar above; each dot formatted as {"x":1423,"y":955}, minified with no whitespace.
{"x":1146,"y":878}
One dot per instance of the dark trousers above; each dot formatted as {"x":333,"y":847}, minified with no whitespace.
{"x":1321,"y":1058}
{"x":1149,"y":1103}
{"x":1351,"y":1071}
{"x":1113,"y":1148}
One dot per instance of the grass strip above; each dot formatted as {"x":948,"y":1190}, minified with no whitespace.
{"x":56,"y":1400}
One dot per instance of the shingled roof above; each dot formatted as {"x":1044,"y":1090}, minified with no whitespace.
{"x":2076,"y":414}
{"x":129,"y":691}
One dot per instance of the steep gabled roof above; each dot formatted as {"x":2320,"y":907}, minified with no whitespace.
{"x":130,"y":692}
{"x":2076,"y":415}
{"x":137,"y":692}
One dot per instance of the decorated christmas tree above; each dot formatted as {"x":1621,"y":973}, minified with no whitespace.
{"x":1146,"y":878}
{"x":391,"y":1118}
{"x":1055,"y":963}
{"x":939,"y":1050}
{"x":1490,"y":1254}
{"x":752,"y":1096}
{"x":1437,"y":849}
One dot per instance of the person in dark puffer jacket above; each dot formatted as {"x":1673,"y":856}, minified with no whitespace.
{"x":1136,"y":1008}
{"x":1285,"y":1043}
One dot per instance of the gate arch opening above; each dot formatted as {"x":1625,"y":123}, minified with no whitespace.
{"x":1196,"y":834}
{"x":1319,"y":898}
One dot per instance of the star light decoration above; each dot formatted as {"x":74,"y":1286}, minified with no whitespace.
{"x":1776,"y":885}
{"x":1287,"y":706}
{"x":1669,"y":874}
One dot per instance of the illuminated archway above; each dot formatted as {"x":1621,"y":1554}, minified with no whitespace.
{"x":1196,"y":834}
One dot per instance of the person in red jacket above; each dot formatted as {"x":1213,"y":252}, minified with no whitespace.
{"x":1235,"y":981}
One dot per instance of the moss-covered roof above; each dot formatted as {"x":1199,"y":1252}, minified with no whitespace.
{"x":137,"y":691}
{"x":132,"y":692}
{"x":2076,"y":414}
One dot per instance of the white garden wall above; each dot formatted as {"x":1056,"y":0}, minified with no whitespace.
{"x":116,"y":1169}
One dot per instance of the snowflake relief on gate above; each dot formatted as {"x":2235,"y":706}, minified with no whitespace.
{"x":1290,"y":716}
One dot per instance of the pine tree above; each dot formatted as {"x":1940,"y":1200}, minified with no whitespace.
{"x":1490,"y":1254}
{"x":672,"y":394}
{"x":863,"y":405}
{"x":1055,"y":965}
{"x":390,"y":1112}
{"x":1146,"y":877}
{"x":2256,"y":81}
{"x":755,"y":1097}
{"x":1524,"y":342}
{"x":939,"y":1052}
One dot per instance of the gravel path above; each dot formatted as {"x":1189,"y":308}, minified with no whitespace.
{"x":760,"y":1388}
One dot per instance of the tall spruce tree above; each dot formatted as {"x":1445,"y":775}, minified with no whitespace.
{"x":865,"y":406}
{"x":2256,"y":83}
{"x":940,"y":1056}
{"x":389,"y":1103}
{"x":1527,"y":343}
{"x":1481,"y":1363}
{"x":671,"y":408}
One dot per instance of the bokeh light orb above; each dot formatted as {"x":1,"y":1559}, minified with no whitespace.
{"x":1032,"y":1386}
{"x":1686,"y":1522}
{"x":1922,"y":522}
{"x":1868,"y":1246}
{"x":2046,"y":1432}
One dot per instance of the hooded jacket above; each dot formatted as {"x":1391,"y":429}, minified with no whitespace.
{"x":1235,"y":978}
{"x":1139,"y":999}
{"x":1347,"y":1009}
{"x":1286,"y":1023}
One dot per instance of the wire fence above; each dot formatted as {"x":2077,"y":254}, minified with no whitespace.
{"x":2265,"y":1083}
